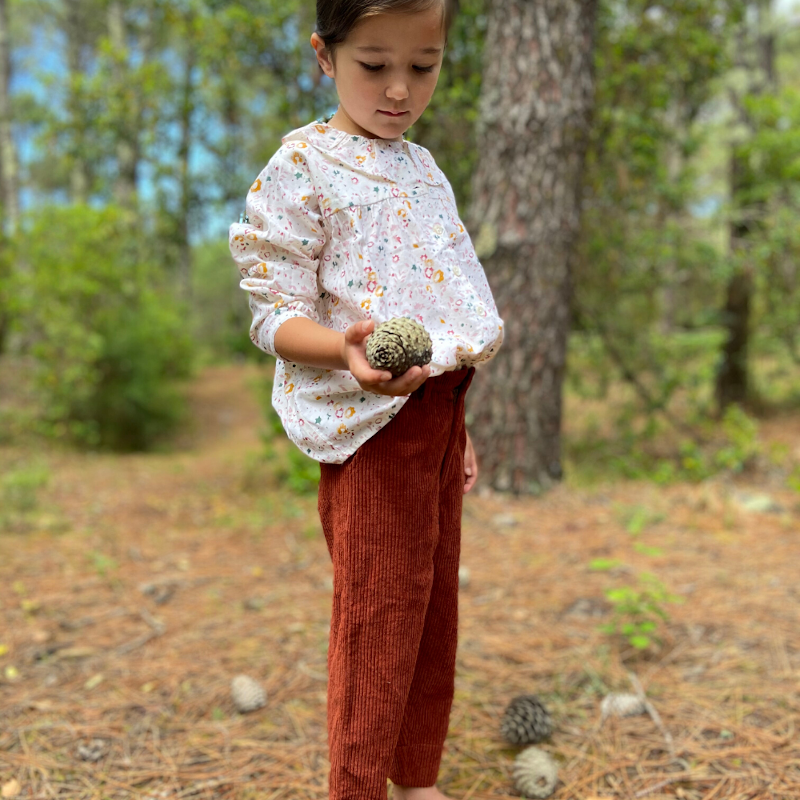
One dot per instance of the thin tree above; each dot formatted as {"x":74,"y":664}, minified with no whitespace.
{"x":536,"y":103}
{"x":9,"y":180}
{"x":755,"y":47}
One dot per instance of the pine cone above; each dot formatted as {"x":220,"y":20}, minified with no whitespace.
{"x":621,"y":705}
{"x":248,"y":695}
{"x":535,"y":773}
{"x":526,"y":720}
{"x":399,"y":344}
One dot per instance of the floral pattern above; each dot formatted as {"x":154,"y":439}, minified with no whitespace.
{"x":342,"y":228}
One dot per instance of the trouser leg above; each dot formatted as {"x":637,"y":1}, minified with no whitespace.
{"x":426,"y":717}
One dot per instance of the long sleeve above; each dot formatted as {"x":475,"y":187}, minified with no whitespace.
{"x":277,"y":251}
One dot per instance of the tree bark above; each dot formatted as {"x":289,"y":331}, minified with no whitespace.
{"x":536,"y":103}
{"x":9,"y":177}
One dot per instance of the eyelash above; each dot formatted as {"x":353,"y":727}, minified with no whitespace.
{"x":378,"y":67}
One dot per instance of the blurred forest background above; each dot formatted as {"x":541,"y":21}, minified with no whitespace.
{"x":132,"y":130}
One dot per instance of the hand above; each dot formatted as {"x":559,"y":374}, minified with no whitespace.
{"x":470,"y":465}
{"x":354,"y":354}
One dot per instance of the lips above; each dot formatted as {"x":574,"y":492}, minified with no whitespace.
{"x":393,"y":113}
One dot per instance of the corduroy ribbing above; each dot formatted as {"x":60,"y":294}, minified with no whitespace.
{"x":391,"y":515}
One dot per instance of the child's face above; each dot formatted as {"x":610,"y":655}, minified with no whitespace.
{"x":388,"y":63}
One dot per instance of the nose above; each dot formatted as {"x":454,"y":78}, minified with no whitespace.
{"x":397,"y":90}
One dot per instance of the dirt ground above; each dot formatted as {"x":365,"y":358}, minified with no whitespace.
{"x":137,"y":587}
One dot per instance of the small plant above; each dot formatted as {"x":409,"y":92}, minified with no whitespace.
{"x":19,"y":495}
{"x":19,"y":490}
{"x":793,"y":481}
{"x":638,"y":610}
{"x":637,"y":518}
{"x":604,"y":564}
{"x":102,"y":563}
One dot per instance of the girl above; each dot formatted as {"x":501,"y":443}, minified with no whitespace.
{"x":349,"y":225}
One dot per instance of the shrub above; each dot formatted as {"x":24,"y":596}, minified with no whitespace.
{"x":291,"y":467}
{"x":107,"y":334}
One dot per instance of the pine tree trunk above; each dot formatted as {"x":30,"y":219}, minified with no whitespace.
{"x":536,"y":103}
{"x":9,"y":178}
{"x":732,"y":379}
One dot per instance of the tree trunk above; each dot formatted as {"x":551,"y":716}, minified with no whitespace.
{"x":127,"y":145}
{"x":185,"y":121}
{"x":732,"y":378}
{"x":75,"y":35}
{"x":9,"y":185}
{"x":536,"y":102}
{"x":9,"y":179}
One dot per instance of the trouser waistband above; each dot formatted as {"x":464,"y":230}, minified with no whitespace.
{"x":448,"y":381}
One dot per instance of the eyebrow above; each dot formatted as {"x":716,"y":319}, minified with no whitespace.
{"x":432,"y":51}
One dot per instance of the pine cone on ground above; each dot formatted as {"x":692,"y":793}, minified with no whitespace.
{"x":248,"y":694}
{"x":526,"y":720}
{"x":399,"y":344}
{"x":535,"y":773}
{"x":622,"y":705}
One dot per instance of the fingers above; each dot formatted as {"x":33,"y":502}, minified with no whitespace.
{"x":355,"y":334}
{"x":403,"y":384}
{"x":408,"y":382}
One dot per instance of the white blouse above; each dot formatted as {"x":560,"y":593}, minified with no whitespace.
{"x":342,"y":228}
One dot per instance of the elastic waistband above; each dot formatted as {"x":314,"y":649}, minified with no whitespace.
{"x":446,"y":382}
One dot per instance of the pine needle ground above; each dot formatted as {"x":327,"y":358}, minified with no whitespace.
{"x":138,"y":586}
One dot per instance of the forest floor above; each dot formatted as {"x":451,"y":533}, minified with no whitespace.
{"x":134,"y":588}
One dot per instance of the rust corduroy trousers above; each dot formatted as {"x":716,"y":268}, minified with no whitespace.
{"x":391,"y":515}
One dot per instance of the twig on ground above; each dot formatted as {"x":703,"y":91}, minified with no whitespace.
{"x":158,"y":629}
{"x":654,"y":715}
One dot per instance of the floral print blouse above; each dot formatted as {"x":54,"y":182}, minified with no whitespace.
{"x":342,"y":228}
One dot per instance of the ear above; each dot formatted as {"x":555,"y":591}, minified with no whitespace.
{"x":323,"y":56}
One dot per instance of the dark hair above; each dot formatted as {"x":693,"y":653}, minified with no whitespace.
{"x":336,"y":18}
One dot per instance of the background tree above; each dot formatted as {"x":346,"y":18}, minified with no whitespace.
{"x":533,"y":127}
{"x":755,"y":59}
{"x":9,"y":180}
{"x":9,"y":197}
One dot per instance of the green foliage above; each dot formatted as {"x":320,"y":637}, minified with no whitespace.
{"x":109,"y":340}
{"x":638,"y":610}
{"x":220,"y":313}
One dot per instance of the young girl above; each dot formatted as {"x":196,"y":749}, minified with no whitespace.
{"x":347,"y":226}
